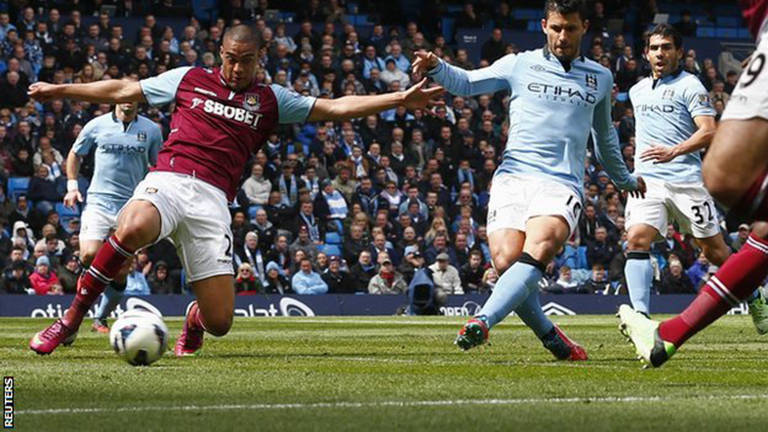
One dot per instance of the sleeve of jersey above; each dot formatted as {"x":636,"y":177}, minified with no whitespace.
{"x":293,"y":107}
{"x":481,"y":81}
{"x":154,"y":149}
{"x":86,"y":139}
{"x":161,"y":90}
{"x":697,"y":99}
{"x":607,"y":146}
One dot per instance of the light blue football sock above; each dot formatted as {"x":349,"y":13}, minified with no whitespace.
{"x":109,"y":300}
{"x":512,"y":289}
{"x":532,"y":315}
{"x":639,"y":273}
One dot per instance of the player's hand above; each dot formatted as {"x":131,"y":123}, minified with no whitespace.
{"x":659,"y":154}
{"x":640,"y":190}
{"x":41,"y":91}
{"x":418,"y":96}
{"x":424,"y":62}
{"x":72,"y":198}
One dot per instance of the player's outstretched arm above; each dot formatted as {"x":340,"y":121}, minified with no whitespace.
{"x":466,"y":83}
{"x":108,"y":91}
{"x":699,"y":140}
{"x":350,"y":107}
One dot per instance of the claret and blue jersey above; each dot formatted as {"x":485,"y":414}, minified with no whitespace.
{"x":553,"y":108}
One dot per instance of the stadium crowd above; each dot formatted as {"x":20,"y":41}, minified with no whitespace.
{"x":350,"y":207}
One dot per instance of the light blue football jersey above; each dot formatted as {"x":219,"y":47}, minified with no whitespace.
{"x":123,"y":154}
{"x":552,"y":111}
{"x":664,"y":113}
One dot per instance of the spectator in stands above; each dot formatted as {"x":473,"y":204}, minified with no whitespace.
{"x":280,"y":253}
{"x":489,"y":281}
{"x":412,"y":262}
{"x":44,"y":280}
{"x":600,"y":250}
{"x":628,"y":75}
{"x":160,"y":281}
{"x":446,"y":278}
{"x":439,"y":246}
{"x":136,"y":283}
{"x":338,"y":281}
{"x":265,"y":230}
{"x":308,"y":220}
{"x":256,"y":187}
{"x":738,"y":239}
{"x":363,"y":270}
{"x":276,"y":282}
{"x":43,"y":191}
{"x":68,"y":274}
{"x":472,"y":272}
{"x":698,"y":271}
{"x":598,"y":283}
{"x":14,"y":93}
{"x":354,"y":243}
{"x":381,"y":246}
{"x":304,"y":243}
{"x":387,"y":281}
{"x":16,"y":279}
{"x":564,"y":283}
{"x":686,"y":26}
{"x":330,"y":205}
{"x":674,"y":280}
{"x":246,"y":282}
{"x":494,"y":48}
{"x":306,"y":281}
{"x":468,"y":17}
{"x":251,"y":254}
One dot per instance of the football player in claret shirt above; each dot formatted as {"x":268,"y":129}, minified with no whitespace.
{"x":222,"y":116}
{"x":735,"y":172}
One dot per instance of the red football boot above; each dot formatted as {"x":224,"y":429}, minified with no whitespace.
{"x":565,"y":349}
{"x":191,"y":338}
{"x":49,"y":339}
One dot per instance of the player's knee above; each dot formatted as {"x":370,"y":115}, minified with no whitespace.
{"x":724,"y":187}
{"x":503,"y":259}
{"x":86,"y":257}
{"x":637,"y":241}
{"x":219,"y":326}
{"x":544,"y":251}
{"x":760,"y":229}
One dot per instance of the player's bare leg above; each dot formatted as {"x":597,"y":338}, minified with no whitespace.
{"x":736,"y":164}
{"x":212,"y":312}
{"x":543,"y":238}
{"x":735,"y":173}
{"x":138,"y":226}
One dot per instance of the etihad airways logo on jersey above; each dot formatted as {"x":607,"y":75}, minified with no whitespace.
{"x":661,"y":109}
{"x":562,"y":94}
{"x":122,"y":148}
{"x":233,"y":113}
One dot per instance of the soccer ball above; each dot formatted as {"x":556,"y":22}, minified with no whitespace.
{"x":139,"y":337}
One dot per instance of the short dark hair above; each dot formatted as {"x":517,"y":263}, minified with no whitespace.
{"x":665,"y":31}
{"x":565,"y":7}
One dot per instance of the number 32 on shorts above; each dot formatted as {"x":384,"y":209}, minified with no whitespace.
{"x":699,"y":210}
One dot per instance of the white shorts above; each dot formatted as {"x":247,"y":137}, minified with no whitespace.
{"x":750,"y":97}
{"x":195,"y":215}
{"x":690,"y":205}
{"x":96,"y":224}
{"x":515,"y":199}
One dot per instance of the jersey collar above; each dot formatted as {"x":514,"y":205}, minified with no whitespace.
{"x":565,"y":64}
{"x":664,"y":78}
{"x":126,"y":126}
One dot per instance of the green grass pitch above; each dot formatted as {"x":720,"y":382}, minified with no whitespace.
{"x":391,"y":373}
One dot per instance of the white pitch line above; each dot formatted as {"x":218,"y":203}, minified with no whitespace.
{"x":396,"y":404}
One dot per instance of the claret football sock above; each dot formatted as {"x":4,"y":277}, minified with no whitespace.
{"x":105,"y":266}
{"x":735,"y":281}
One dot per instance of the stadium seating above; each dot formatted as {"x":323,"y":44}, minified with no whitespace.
{"x":66,"y":214}
{"x":333,"y":238}
{"x":17,"y":186}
